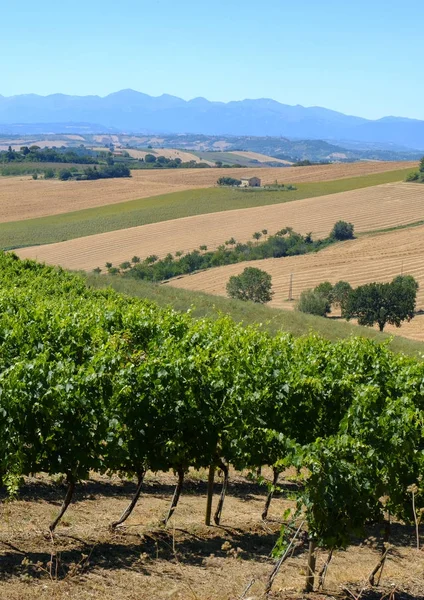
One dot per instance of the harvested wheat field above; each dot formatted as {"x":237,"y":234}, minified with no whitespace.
{"x":145,"y":560}
{"x":23,"y":198}
{"x":378,"y":257}
{"x":368,"y":209}
{"x":263,"y":158}
{"x":168,"y":153}
{"x":17,"y":144}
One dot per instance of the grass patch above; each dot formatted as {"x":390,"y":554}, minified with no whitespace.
{"x":389,"y":229}
{"x":58,"y":228}
{"x":272,"y":319}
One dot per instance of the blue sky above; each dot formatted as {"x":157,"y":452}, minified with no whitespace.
{"x":359,"y":57}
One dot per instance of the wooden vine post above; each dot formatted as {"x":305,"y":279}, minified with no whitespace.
{"x":211,"y":478}
{"x":310,"y":575}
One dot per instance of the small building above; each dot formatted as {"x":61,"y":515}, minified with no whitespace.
{"x":251,"y":182}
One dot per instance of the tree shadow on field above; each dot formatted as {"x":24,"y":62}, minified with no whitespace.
{"x":35,"y":489}
{"x":134,"y":552}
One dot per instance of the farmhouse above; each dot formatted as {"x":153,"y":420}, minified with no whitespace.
{"x":251,"y":182}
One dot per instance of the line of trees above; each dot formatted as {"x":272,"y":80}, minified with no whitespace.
{"x":92,"y":380}
{"x":53,"y":155}
{"x":151,"y":161}
{"x":92,"y":173}
{"x":284,"y":242}
{"x":372,"y":303}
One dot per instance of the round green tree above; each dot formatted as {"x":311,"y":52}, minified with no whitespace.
{"x":252,"y":284}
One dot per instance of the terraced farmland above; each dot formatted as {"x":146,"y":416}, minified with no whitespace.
{"x":373,"y":208}
{"x":23,"y":198}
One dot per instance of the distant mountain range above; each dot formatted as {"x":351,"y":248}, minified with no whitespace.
{"x":134,"y":112}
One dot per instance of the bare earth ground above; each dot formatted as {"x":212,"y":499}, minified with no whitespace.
{"x":145,"y":560}
{"x":368,"y":209}
{"x":23,"y":198}
{"x":372,"y":258}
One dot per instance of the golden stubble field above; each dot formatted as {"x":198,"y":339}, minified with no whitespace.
{"x":185,"y":560}
{"x":378,"y":257}
{"x":171,"y":153}
{"x":260,"y":157}
{"x":368,"y":209}
{"x":23,"y":198}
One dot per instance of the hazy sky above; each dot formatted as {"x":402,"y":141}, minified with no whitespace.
{"x":359,"y":57}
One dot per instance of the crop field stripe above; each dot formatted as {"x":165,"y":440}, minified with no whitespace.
{"x":368,"y":209}
{"x":22,"y":198}
{"x":57,"y":228}
{"x":370,"y":258}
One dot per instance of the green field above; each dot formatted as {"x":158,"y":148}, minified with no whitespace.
{"x":76,"y":224}
{"x":272,"y":319}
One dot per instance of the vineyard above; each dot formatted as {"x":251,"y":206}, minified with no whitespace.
{"x":93,"y":381}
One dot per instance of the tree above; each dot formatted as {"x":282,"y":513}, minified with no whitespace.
{"x":325,"y":289}
{"x":257,"y":235}
{"x":421,"y":166}
{"x":340,"y":294}
{"x":48,"y":174}
{"x":65,"y":174}
{"x":383,"y":303}
{"x":313,"y":303}
{"x":342,"y":231}
{"x":150,"y":158}
{"x":252,"y":284}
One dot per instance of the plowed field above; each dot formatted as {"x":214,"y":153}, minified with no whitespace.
{"x":368,"y":209}
{"x":23,"y":198}
{"x":373,"y":258}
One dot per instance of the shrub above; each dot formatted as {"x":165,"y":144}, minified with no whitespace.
{"x":65,"y":174}
{"x":313,"y":303}
{"x":342,"y":231}
{"x":252,"y":284}
{"x":35,"y":175}
{"x":48,"y":174}
{"x":228,"y":181}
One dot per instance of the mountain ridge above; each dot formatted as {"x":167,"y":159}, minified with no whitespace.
{"x":134,"y":112}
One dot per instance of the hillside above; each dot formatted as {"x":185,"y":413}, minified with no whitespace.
{"x":377,"y":207}
{"x":22,"y":198}
{"x":128,"y":110}
{"x":378,"y":257}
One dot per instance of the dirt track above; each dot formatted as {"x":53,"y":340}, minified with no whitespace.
{"x":23,"y":198}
